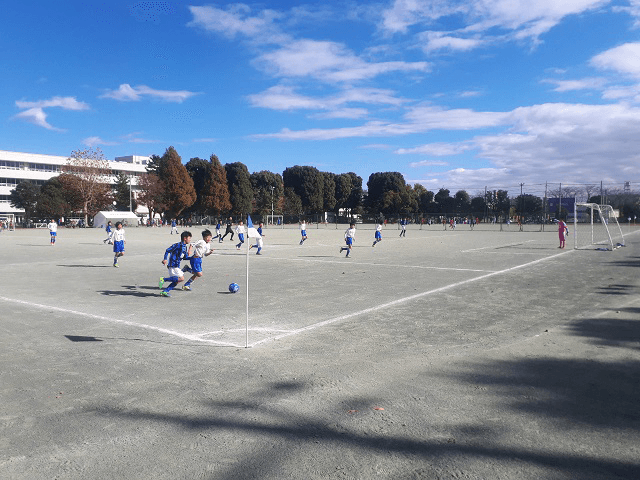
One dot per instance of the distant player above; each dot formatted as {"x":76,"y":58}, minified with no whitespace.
{"x":403,"y":227}
{"x":108,"y":229}
{"x":349,"y":238}
{"x":174,"y":226}
{"x":53,"y":231}
{"x":117,"y":237}
{"x":175,"y":253}
{"x":201,"y":249}
{"x":218,"y":228}
{"x":378,"y":234}
{"x":259,"y":243}
{"x":228,"y":230}
{"x":563,"y":231}
{"x":240,"y":232}
{"x":303,"y":231}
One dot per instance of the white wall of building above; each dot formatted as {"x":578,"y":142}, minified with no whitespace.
{"x":18,"y":166}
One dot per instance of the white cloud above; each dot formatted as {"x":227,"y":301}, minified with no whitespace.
{"x":128,"y":93}
{"x":35,"y":113}
{"x":329,"y":62}
{"x":591,"y":83}
{"x":436,"y":149}
{"x":66,"y":103}
{"x":623,"y":59}
{"x":95,"y":141}
{"x":633,"y":10}
{"x":442,"y":41}
{"x":352,"y":113}
{"x":37,"y":116}
{"x":428,"y":163}
{"x":237,"y":21}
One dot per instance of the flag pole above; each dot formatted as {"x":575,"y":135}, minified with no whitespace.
{"x":246,"y":344}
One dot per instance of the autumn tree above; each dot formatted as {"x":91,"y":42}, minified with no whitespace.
{"x":268,"y":188}
{"x":179,"y":190}
{"x":214,"y":197}
{"x":152,"y":193}
{"x":198,"y":170}
{"x":240,"y":191}
{"x":89,"y":171}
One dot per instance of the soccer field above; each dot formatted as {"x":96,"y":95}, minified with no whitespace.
{"x":443,"y":353}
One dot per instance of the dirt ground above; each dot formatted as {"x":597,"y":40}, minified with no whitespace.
{"x":465,"y":354}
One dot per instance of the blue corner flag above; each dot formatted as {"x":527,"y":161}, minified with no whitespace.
{"x":249,"y":222}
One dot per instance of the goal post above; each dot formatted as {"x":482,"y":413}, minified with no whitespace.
{"x":596,"y":227}
{"x":275,"y":220}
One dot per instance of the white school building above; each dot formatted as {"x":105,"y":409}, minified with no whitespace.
{"x":37,"y":168}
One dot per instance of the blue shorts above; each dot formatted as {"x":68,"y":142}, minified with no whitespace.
{"x":196,"y":264}
{"x":349,"y":241}
{"x":118,"y":246}
{"x":241,"y":237}
{"x":303,"y":233}
{"x":53,"y":234}
{"x":378,"y":235}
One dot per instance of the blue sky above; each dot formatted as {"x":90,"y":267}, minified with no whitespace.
{"x":455,"y":94}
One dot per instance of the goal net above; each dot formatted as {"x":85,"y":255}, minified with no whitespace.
{"x":596,"y":227}
{"x":8,"y":222}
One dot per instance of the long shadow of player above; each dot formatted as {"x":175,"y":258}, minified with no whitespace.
{"x":125,"y":293}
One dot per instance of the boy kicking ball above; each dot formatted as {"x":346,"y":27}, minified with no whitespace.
{"x":201,"y":249}
{"x":175,"y":254}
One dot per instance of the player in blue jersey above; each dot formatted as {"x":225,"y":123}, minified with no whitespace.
{"x":201,"y":249}
{"x":108,"y":229}
{"x":117,"y":237}
{"x":172,"y":258}
{"x":218,"y":228}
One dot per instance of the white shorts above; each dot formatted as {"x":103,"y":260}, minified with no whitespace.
{"x":175,"y":272}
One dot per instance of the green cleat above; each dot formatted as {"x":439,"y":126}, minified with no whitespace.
{"x":165,"y":294}
{"x":116,"y":265}
{"x":161,"y":282}
{"x":186,"y":287}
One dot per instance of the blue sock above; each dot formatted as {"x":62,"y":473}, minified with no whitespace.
{"x":171,"y":286}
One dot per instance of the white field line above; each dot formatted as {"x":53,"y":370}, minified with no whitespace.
{"x":497,"y":246}
{"x":342,"y":262}
{"x":166,"y":331}
{"x":403,"y":300}
{"x":283,"y":333}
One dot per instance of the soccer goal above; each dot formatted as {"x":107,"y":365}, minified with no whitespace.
{"x":8,"y":222}
{"x":275,"y":220}
{"x":596,"y":227}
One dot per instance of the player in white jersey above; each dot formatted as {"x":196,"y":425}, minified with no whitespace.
{"x":303,"y":231}
{"x":201,"y":249}
{"x":349,"y":238}
{"x":240,"y":232}
{"x":117,"y":237}
{"x":53,"y":231}
{"x":378,"y":234}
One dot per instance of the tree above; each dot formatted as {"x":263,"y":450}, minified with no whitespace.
{"x":308,"y":184}
{"x":528,"y":205}
{"x":268,"y":189}
{"x":354,"y":200}
{"x":25,"y":196}
{"x":329,"y":191}
{"x":90,"y":170}
{"x":122,"y":193}
{"x":343,"y":191}
{"x":380,"y":187}
{"x":502,"y":203}
{"x":51,"y":200}
{"x":292,"y":202}
{"x":446,"y":204}
{"x":152,"y":193}
{"x":240,"y":191}
{"x":463,"y":202}
{"x":215,"y":197}
{"x":478,"y":206}
{"x":198,"y":170}
{"x":180,"y":193}
{"x":424,"y":198}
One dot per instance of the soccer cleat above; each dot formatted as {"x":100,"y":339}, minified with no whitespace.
{"x":164,"y":294}
{"x":186,"y":287}
{"x":116,"y":265}
{"x":161,"y":282}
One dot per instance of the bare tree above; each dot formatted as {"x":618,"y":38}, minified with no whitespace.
{"x":89,"y":170}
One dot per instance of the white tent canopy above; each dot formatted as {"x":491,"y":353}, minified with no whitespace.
{"x":102,"y":218}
